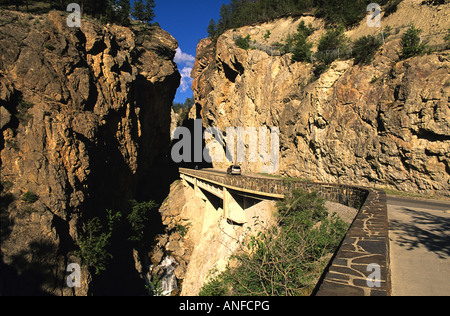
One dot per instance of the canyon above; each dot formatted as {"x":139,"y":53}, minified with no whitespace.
{"x":385,"y":124}
{"x":85,"y":122}
{"x":86,"y":125}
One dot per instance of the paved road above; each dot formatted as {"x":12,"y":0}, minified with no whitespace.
{"x":419,"y":233}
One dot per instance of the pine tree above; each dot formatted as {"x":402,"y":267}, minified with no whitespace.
{"x":123,"y":13}
{"x":225,"y":18}
{"x":412,"y":44}
{"x":144,"y":10}
{"x":138,"y":10}
{"x":212,"y":29}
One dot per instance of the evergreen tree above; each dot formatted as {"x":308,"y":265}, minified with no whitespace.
{"x":302,"y":47}
{"x":138,"y":10}
{"x":123,"y":12}
{"x":110,"y":10}
{"x":412,"y":44}
{"x":212,"y":29}
{"x":94,"y":8}
{"x":144,"y":10}
{"x":118,"y":11}
{"x":148,"y":11}
{"x":245,"y":12}
{"x":225,"y":18}
{"x":331,"y":45}
{"x":333,"y":39}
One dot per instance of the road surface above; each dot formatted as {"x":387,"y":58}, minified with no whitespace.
{"x":419,"y":233}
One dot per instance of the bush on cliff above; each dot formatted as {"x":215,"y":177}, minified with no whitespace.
{"x":332,"y":45}
{"x":364,"y":49}
{"x":302,"y":47}
{"x":243,"y":42}
{"x":102,"y":235}
{"x":412,"y":44}
{"x":94,"y":243}
{"x":287,"y":259}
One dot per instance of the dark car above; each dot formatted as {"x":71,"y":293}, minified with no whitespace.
{"x":234,"y":170}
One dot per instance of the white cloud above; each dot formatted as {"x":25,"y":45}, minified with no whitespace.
{"x":185,"y":62}
{"x":183,"y":58}
{"x":186,"y":80}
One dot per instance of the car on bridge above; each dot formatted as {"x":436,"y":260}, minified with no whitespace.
{"x":234,"y":170}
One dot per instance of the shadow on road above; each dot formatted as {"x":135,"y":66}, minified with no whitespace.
{"x":428,"y":230}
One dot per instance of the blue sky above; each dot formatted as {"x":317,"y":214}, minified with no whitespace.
{"x":186,"y":21}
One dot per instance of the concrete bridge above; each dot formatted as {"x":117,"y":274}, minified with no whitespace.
{"x":236,"y":196}
{"x":364,"y":252}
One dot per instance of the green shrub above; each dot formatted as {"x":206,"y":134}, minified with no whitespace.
{"x":305,"y":30}
{"x":30,"y":197}
{"x":102,"y":236}
{"x":332,"y":45}
{"x":286,"y":259}
{"x":365,"y":48}
{"x":332,"y":41}
{"x":94,"y":242}
{"x":411,"y":43}
{"x":243,"y":42}
{"x":302,"y":50}
{"x":138,"y":220}
{"x":301,"y":45}
{"x":391,"y":7}
{"x":183,"y":229}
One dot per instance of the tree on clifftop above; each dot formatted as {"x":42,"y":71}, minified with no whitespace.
{"x":123,"y":12}
{"x":144,"y":10}
{"x":212,"y":29}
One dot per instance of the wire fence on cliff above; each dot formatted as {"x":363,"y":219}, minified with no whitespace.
{"x":434,"y":41}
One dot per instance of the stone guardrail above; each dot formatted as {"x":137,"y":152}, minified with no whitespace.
{"x":365,"y":249}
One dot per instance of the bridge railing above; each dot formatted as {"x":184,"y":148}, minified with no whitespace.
{"x":343,"y":194}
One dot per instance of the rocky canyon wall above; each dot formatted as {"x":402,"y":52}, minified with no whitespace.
{"x":199,"y":240}
{"x":386,"y":124}
{"x":85,"y":116}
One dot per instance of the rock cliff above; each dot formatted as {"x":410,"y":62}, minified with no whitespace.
{"x":199,"y":238}
{"x":385,"y":124}
{"x":85,"y":116}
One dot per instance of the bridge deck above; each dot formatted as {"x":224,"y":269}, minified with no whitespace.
{"x":250,"y":185}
